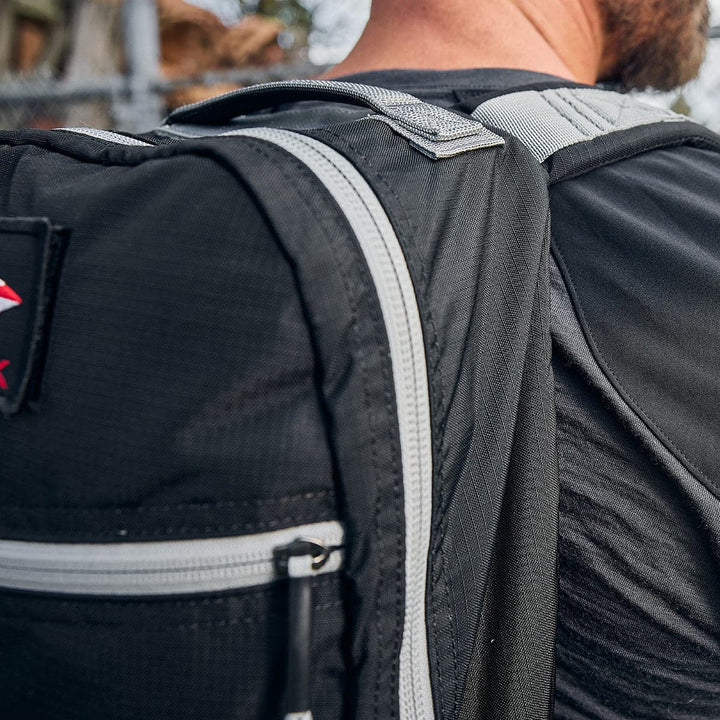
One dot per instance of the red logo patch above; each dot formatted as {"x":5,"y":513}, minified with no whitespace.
{"x":3,"y":381}
{"x":31,"y":251}
{"x":8,"y":297}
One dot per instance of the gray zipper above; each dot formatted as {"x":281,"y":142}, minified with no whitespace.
{"x":161,"y":568}
{"x":396,"y":293}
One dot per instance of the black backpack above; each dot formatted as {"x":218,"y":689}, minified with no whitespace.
{"x":278,"y":433}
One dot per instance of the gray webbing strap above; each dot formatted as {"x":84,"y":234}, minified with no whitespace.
{"x":433,"y":130}
{"x":548,"y":120}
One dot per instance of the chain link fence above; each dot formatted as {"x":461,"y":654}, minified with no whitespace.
{"x":99,"y":63}
{"x":124,"y":63}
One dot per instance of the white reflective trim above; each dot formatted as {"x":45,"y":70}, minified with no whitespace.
{"x":396,"y":294}
{"x":108,"y":136}
{"x":157,"y":568}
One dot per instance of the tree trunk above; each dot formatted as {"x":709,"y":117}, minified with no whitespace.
{"x":95,"y":25}
{"x":7,"y":36}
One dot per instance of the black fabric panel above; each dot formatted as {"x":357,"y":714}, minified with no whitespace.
{"x":606,"y":149}
{"x":647,"y":292}
{"x":220,"y":657}
{"x":180,"y":399}
{"x":474,"y":233}
{"x":180,"y":395}
{"x":355,"y":373}
{"x":639,"y":604}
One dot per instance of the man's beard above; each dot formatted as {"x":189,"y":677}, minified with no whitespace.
{"x":654,"y":43}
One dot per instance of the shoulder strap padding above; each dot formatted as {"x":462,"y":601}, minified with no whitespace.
{"x":548,"y":120}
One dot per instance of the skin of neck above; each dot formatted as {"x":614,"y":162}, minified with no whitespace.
{"x":558,"y":37}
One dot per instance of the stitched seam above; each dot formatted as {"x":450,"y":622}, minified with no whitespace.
{"x":659,"y":143}
{"x":12,"y":231}
{"x":441,"y":527}
{"x":223,"y":504}
{"x":560,"y":112}
{"x":181,"y":627}
{"x":379,"y":536}
{"x":436,"y":380}
{"x":289,"y":520}
{"x":413,"y":229}
{"x":192,"y":531}
{"x":582,"y":109}
{"x":238,"y":595}
{"x":373,"y":439}
{"x":605,"y":117}
{"x":377,"y":505}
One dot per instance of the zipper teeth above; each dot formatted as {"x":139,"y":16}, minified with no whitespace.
{"x":157,"y":568}
{"x":395,"y":291}
{"x":108,"y":136}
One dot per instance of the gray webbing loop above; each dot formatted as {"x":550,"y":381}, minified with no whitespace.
{"x":434,"y":130}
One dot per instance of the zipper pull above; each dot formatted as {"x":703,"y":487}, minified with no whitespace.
{"x":299,"y":561}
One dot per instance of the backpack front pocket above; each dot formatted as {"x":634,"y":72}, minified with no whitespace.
{"x":183,"y":629}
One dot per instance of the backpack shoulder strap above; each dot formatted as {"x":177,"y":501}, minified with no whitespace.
{"x":573,"y":130}
{"x":619,"y":239}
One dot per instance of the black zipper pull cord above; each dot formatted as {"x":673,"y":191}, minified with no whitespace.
{"x":298,"y":561}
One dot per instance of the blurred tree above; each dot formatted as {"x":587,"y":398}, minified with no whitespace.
{"x":290,"y":12}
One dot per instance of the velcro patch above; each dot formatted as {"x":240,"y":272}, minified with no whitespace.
{"x":31,"y":251}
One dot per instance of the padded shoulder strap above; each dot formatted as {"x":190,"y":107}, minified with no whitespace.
{"x":549,"y":120}
{"x":572,"y":130}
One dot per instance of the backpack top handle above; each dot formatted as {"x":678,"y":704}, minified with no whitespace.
{"x":405,"y":113}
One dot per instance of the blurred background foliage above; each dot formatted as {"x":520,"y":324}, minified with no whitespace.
{"x":204,"y":47}
{"x":290,"y":12}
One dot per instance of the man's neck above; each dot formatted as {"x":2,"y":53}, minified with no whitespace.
{"x":557,"y":37}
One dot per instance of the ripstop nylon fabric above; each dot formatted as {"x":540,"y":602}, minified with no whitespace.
{"x":480,"y":270}
{"x":251,"y":388}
